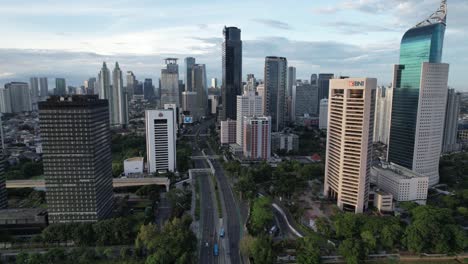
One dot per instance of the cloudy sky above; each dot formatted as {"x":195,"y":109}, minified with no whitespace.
{"x":71,"y":38}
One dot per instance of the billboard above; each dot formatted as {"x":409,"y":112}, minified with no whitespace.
{"x":188,"y":120}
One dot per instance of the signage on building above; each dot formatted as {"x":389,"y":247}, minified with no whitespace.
{"x":188,"y":120}
{"x":356,"y":83}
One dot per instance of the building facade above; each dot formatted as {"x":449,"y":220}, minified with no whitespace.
{"x":189,"y":62}
{"x":257,"y":138}
{"x":383,"y":113}
{"x":228,"y":132}
{"x":349,"y":142}
{"x":199,"y":86}
{"x":118,"y":107}
{"x":323,"y":86}
{"x":275,"y":91}
{"x":323,"y":116}
{"x":20,"y":99}
{"x":232,"y":72}
{"x":77,"y":158}
{"x":450,"y":140}
{"x":248,"y":105}
{"x":402,"y":183}
{"x":34,"y":85}
{"x":420,"y":98}
{"x":160,"y":140}
{"x":304,"y":101}
{"x":170,"y":82}
{"x":60,"y":87}
{"x":44,"y":88}
{"x":131,"y":84}
{"x":284,"y":142}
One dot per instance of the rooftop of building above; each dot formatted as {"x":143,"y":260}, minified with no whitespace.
{"x":21,"y":213}
{"x":394,"y":170}
{"x":134,"y":159}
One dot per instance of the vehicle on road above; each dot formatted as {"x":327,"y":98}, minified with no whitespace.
{"x":206,"y":244}
{"x":215,"y":250}
{"x":221,"y":232}
{"x":274,"y":230}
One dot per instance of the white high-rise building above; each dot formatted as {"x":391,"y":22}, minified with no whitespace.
{"x":261,"y":93}
{"x":251,"y":83}
{"x":383,"y":112}
{"x":131,"y":84}
{"x":349,"y":142}
{"x":169,"y":86}
{"x":214,"y":103}
{"x":228,"y":132}
{"x":248,"y":105}
{"x":214,"y":83}
{"x":323,"y":115}
{"x":118,"y":104}
{"x":5,"y":101}
{"x":160,"y":140}
{"x":257,"y":137}
{"x":104,"y":85}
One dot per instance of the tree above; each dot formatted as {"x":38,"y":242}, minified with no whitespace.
{"x":83,"y":234}
{"x":30,"y":169}
{"x":347,"y":225}
{"x":308,"y":251}
{"x":324,"y":227}
{"x":352,"y":250}
{"x":262,"y":251}
{"x":391,"y":235}
{"x":261,"y":215}
{"x":369,"y":241}
{"x":55,"y":255}
{"x":246,"y":186}
{"x":246,"y":245}
{"x":117,"y":169}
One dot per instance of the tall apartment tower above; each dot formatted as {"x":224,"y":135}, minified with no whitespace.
{"x":251,"y":84}
{"x":60,"y":87}
{"x":77,"y":158}
{"x":131,"y":84}
{"x":232,"y":72}
{"x":34,"y":85}
{"x":323,"y":115}
{"x":118,"y":106}
{"x":20,"y":97}
{"x":323,"y":84}
{"x":257,"y":138}
{"x":170,"y":82}
{"x":275,"y":91}
{"x":148,"y":89}
{"x":160,"y":140}
{"x":248,"y":105}
{"x":420,"y":98}
{"x":349,"y":142}
{"x":452,"y":111}
{"x":383,"y":114}
{"x":199,"y":85}
{"x":189,"y":62}
{"x":304,"y":101}
{"x":214,"y":83}
{"x":291,"y":80}
{"x":44,"y":88}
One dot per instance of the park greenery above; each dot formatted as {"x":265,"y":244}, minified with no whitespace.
{"x":261,"y":217}
{"x":453,"y":170}
{"x":183,"y":153}
{"x":25,"y":169}
{"x":124,"y":147}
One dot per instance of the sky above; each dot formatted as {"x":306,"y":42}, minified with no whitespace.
{"x":358,"y":38}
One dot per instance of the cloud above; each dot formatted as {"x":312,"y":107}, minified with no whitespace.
{"x":359,"y":28}
{"x":273,"y":23}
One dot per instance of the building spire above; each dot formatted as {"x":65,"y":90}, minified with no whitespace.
{"x":440,"y":16}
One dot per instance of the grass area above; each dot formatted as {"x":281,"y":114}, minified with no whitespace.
{"x":218,"y":199}
{"x":197,"y":199}
{"x":39,"y":177}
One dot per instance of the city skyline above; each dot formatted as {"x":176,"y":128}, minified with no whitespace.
{"x":369,"y":37}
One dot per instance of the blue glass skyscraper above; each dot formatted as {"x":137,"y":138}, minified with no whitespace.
{"x":415,"y":94}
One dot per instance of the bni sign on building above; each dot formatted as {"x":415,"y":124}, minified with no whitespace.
{"x":160,"y":140}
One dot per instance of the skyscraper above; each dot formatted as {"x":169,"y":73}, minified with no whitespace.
{"x":291,"y":80}
{"x":232,"y":71}
{"x":20,"y":98}
{"x":261,"y":93}
{"x":5,"y":101}
{"x":77,"y":158}
{"x":251,"y":84}
{"x":323,"y":114}
{"x":189,"y":62}
{"x":349,"y":142}
{"x":248,"y":105}
{"x":170,"y":83}
{"x":452,"y":111}
{"x":60,"y":87}
{"x":199,"y":86}
{"x":275,"y":91}
{"x":257,"y":138}
{"x":304,"y":101}
{"x":119,"y":110}
{"x":160,"y":140}
{"x":314,"y":80}
{"x":91,"y":86}
{"x":214,"y":83}
{"x":44,"y":88}
{"x":323,"y":83}
{"x":3,"y":190}
{"x":148,"y":89}
{"x":131,"y":84}
{"x":383,"y":111}
{"x":34,"y":85}
{"x":104,"y":82}
{"x":419,"y":98}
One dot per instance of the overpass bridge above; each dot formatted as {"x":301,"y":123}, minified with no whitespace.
{"x":117,"y":182}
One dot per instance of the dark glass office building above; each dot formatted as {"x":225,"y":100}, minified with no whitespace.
{"x":422,"y":43}
{"x":232,"y":72}
{"x":148,"y":89}
{"x":276,"y":69}
{"x":60,"y":86}
{"x":77,"y":158}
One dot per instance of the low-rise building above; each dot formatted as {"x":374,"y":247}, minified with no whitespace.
{"x":284,"y":141}
{"x":228,"y":132}
{"x":23,"y":221}
{"x":133,"y":166}
{"x":383,"y":201}
{"x":402,"y":183}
